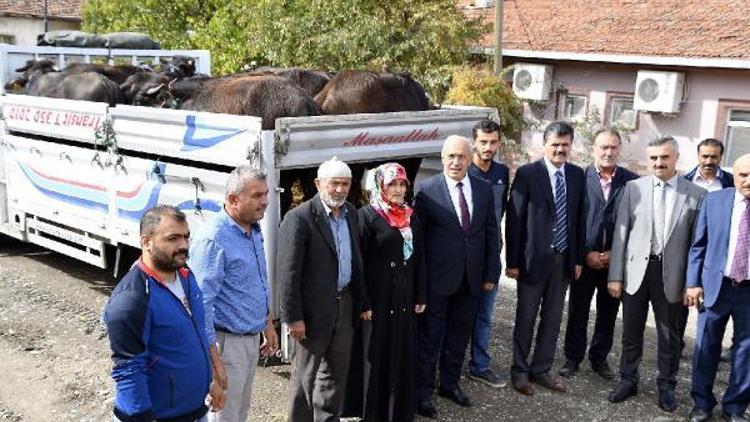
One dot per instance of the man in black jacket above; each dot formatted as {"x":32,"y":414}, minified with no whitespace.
{"x":319,"y":273}
{"x":604,"y":183}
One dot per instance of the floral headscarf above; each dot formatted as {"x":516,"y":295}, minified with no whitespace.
{"x":396,"y":215}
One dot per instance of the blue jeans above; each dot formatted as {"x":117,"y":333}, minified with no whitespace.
{"x":480,"y":339}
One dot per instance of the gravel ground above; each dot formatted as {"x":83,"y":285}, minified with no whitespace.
{"x":54,"y":357}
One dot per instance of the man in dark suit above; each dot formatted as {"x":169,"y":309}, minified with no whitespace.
{"x":708,"y":175}
{"x":487,"y":143}
{"x":604,"y":183}
{"x":319,"y":273}
{"x":457,"y":211}
{"x":545,"y":237}
{"x":718,"y":283}
{"x":650,"y":246}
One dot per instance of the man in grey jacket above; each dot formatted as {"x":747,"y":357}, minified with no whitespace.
{"x":651,"y":240}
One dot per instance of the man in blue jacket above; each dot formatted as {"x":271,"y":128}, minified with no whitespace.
{"x":718,"y":284}
{"x":155,"y":322}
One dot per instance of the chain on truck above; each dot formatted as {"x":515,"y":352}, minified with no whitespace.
{"x":76,"y":176}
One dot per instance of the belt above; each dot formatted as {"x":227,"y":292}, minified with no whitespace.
{"x":342,"y":292}
{"x":219,"y":329}
{"x":654,"y":257}
{"x":740,"y":284}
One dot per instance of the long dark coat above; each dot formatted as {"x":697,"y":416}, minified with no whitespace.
{"x":383,"y":380}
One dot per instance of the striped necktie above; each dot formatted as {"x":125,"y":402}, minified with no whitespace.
{"x":561,"y":214}
{"x":740,"y":261}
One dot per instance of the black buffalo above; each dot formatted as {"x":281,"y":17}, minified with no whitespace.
{"x":311,"y":81}
{"x":353,"y":91}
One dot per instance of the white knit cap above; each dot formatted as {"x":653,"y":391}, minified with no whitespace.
{"x":334,"y":168}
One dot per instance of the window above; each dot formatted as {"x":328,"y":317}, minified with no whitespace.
{"x":737,"y":135}
{"x":574,"y":107}
{"x":7,"y":39}
{"x":621,"y":112}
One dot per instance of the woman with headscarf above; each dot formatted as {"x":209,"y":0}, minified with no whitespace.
{"x":394,"y":268}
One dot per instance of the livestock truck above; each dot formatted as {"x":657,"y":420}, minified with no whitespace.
{"x":76,"y":176}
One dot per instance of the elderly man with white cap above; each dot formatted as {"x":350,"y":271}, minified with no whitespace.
{"x":319,"y":273}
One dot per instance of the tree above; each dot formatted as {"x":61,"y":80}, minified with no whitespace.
{"x":418,"y":36}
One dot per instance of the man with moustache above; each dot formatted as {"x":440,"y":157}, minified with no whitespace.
{"x":486,"y":145}
{"x":319,"y":274}
{"x":545,"y":238}
{"x":605,"y":181}
{"x":650,"y":246}
{"x":718,"y":283}
{"x":457,"y":211}
{"x":155,"y":321}
{"x":708,"y":175}
{"x":230,"y":266}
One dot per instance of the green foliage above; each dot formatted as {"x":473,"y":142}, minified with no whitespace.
{"x":586,"y":127}
{"x":482,"y":88}
{"x":419,"y":36}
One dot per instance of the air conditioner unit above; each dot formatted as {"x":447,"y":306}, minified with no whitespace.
{"x":659,"y":91}
{"x":484,"y":3}
{"x":532,"y":81}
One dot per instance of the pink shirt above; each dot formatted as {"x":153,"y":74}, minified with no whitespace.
{"x":606,"y":182}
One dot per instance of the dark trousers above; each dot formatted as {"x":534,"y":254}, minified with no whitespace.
{"x":733,"y":301}
{"x":667,"y":315}
{"x":444,"y":332}
{"x":533,"y":295}
{"x":320,"y":366}
{"x":579,"y":302}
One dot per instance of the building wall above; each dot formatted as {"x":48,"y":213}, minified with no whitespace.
{"x":25,"y":30}
{"x":708,"y":93}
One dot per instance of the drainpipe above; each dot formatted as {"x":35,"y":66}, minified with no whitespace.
{"x":46,"y":21}
{"x":498,"y":67}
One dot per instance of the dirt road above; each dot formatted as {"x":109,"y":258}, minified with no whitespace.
{"x":54,"y":357}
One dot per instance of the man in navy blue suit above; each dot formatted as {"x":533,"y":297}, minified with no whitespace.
{"x":605,"y":181}
{"x":461,"y":247}
{"x":544,"y":238}
{"x":718,"y":283}
{"x":487,"y":143}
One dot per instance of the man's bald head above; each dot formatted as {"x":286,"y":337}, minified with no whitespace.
{"x":741,"y":172}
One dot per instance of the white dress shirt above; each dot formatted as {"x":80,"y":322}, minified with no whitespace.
{"x":711,"y":186}
{"x":453,"y":190}
{"x":734,"y":232}
{"x":671,"y":196}
{"x":551,"y":169}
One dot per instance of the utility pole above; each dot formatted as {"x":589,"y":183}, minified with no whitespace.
{"x":498,"y":51}
{"x":46,"y":21}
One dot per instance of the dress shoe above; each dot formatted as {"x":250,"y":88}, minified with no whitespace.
{"x":667,"y":401}
{"x":548,"y":382}
{"x":699,"y":415}
{"x":522,"y":385}
{"x":603,"y":370}
{"x":456,"y":395}
{"x":426,"y":409}
{"x":733,"y":417}
{"x":622,"y":393}
{"x":569,"y":369}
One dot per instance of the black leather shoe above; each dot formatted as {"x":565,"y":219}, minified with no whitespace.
{"x":667,"y":401}
{"x":603,"y":370}
{"x":622,"y":393}
{"x":456,"y":395}
{"x":699,"y":415}
{"x":569,"y":369}
{"x":734,"y":417}
{"x":426,"y":409}
{"x":548,"y":382}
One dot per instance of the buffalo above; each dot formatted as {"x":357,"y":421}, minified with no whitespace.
{"x":265,"y":96}
{"x":87,"y":86}
{"x":311,"y":81}
{"x":353,"y":91}
{"x":117,"y":74}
